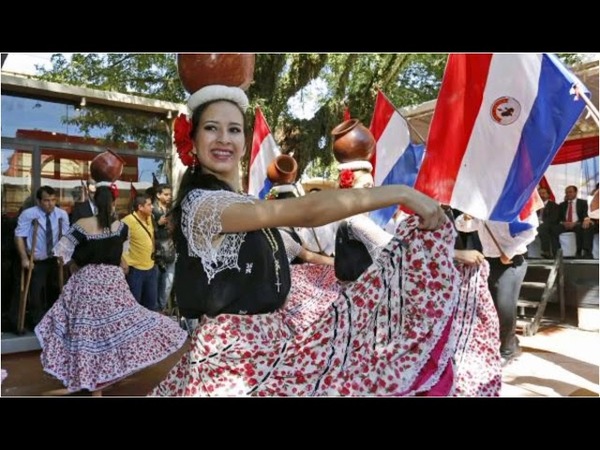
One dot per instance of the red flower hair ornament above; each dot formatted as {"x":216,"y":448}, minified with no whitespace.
{"x":114,"y":190}
{"x":182,"y":131}
{"x":346,"y":179}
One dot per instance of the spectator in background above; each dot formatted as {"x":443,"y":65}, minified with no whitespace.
{"x":165,"y":258}
{"x":53,"y":223}
{"x":571,"y":214}
{"x":87,"y":207}
{"x":548,"y":218}
{"x":143,"y":272}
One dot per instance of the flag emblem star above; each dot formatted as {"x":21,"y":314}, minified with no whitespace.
{"x":505,"y":110}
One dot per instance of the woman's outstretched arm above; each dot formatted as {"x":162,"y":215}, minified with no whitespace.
{"x":324,"y":207}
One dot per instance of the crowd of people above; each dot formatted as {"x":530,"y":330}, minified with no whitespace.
{"x":573,"y":215}
{"x":424,"y":316}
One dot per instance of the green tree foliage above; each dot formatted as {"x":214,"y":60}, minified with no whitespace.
{"x":151,"y":75}
{"x":350,"y":80}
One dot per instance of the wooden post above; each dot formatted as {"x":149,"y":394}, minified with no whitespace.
{"x":25,"y":290}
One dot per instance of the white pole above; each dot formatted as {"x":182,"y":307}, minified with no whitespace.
{"x":590,"y":106}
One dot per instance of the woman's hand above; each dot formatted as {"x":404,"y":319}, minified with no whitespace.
{"x":429,"y":210}
{"x":469,"y":257}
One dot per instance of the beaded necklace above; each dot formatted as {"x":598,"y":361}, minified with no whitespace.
{"x":275,"y":247}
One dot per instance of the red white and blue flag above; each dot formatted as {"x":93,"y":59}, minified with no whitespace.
{"x":396,"y":160}
{"x":498,"y":123}
{"x":264,"y":150}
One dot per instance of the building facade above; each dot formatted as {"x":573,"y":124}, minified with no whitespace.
{"x":50,"y":133}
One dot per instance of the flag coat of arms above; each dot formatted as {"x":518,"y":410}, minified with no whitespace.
{"x":499,"y":121}
{"x":264,"y":150}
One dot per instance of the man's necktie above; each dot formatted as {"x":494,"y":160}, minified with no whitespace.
{"x":570,"y":212}
{"x":49,"y":240}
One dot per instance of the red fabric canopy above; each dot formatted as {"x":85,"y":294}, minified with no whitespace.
{"x":577,"y":150}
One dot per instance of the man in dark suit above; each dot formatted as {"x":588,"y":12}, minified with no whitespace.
{"x":571,"y":213}
{"x":86,"y":208}
{"x":548,"y":218}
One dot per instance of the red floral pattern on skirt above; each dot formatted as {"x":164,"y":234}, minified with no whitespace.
{"x":477,"y":357}
{"x":96,"y":333}
{"x":389,"y":333}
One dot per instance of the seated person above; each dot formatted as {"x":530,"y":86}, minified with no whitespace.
{"x":571,"y":214}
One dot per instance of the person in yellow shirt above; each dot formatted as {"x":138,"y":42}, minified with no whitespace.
{"x":142,"y":275}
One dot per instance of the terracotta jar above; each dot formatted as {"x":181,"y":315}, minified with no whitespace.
{"x":197,"y":70}
{"x":282,"y":170}
{"x":352,"y":141}
{"x":107,"y":166}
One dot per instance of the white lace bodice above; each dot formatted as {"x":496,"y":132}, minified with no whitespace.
{"x":201,"y":226}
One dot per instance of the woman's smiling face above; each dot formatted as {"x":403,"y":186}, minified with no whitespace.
{"x":220,"y":140}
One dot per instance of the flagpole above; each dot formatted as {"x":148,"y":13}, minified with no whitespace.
{"x":405,"y":119}
{"x":503,"y":258}
{"x":590,"y":106}
{"x":84,"y":192}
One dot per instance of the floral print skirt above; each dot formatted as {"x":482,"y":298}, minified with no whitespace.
{"x":389,"y":333}
{"x":477,"y":356}
{"x":96,"y":333}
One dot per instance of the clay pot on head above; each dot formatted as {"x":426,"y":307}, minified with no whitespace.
{"x":352,"y":141}
{"x":197,"y":70}
{"x":107,"y":166}
{"x":282,"y":170}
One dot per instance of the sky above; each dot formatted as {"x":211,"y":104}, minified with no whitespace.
{"x":303,"y":105}
{"x":26,"y":62}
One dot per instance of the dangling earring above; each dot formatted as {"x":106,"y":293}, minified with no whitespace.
{"x":193,"y":168}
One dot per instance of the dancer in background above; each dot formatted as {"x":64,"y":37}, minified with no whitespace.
{"x":97,"y":333}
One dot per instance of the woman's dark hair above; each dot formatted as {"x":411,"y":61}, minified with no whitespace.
{"x":195,"y":179}
{"x":104,"y":202}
